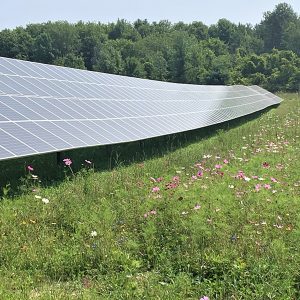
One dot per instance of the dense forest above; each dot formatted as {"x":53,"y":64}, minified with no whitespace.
{"x":267,"y":54}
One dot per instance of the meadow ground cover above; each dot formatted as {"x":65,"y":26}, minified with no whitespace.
{"x":218,"y":219}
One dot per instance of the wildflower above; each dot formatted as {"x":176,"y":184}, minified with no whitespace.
{"x":218,"y":166}
{"x":30,"y":168}
{"x":37,"y":197}
{"x":152,"y":212}
{"x":176,"y":178}
{"x":204,"y":298}
{"x":184,"y":213}
{"x":45,"y":200}
{"x":240,"y":174}
{"x":254,"y":177}
{"x":194,"y":177}
{"x":34,"y":176}
{"x":155,"y":189}
{"x":200,"y":174}
{"x":171,"y":185}
{"x":159,"y":179}
{"x":266,"y":165}
{"x":197,"y":206}
{"x":267,"y":186}
{"x":231,"y":186}
{"x":247,"y":178}
{"x":94,"y":233}
{"x":274,"y":179}
{"x":67,"y":161}
{"x":257,"y":187}
{"x":206,"y":156}
{"x":88,"y":162}
{"x":145,"y":215}
{"x":225,"y":161}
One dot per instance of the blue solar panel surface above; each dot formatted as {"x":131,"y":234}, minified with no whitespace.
{"x":47,"y":108}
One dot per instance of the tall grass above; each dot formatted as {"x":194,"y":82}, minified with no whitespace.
{"x":218,"y":218}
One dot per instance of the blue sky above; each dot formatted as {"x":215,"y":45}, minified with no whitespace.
{"x":21,"y":12}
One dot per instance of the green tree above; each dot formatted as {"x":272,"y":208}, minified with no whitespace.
{"x":274,"y":25}
{"x":71,"y":60}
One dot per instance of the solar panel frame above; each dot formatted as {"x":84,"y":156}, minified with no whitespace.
{"x":46,"y":108}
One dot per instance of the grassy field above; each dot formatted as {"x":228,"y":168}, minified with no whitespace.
{"x":219,"y":218}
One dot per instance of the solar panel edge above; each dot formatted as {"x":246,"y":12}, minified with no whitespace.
{"x":169,"y":114}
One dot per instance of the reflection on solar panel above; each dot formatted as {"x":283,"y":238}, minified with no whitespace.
{"x":47,"y":108}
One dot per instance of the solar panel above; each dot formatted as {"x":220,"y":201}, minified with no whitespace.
{"x":47,"y":108}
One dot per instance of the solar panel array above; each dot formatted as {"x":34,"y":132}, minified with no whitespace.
{"x":47,"y":108}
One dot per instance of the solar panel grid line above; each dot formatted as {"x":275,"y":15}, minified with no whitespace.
{"x":28,"y":135}
{"x":56,"y":108}
{"x":62,"y":133}
{"x":71,"y":82}
{"x":19,"y":106}
{"x":6,"y":154}
{"x":13,"y":113}
{"x":128,"y":130}
{"x":33,"y":151}
{"x":100,"y":137}
{"x":159,"y":115}
{"x":115,"y":85}
{"x":50,"y":134}
{"x":33,"y":69}
{"x":85,"y":135}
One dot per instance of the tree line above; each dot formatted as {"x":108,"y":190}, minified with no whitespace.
{"x":267,"y":54}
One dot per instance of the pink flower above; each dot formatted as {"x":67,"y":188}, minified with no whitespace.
{"x":240,"y":175}
{"x":225,"y":161}
{"x":29,"y":168}
{"x":200,"y":174}
{"x":197,"y":206}
{"x":153,"y":212}
{"x":67,"y":161}
{"x":159,"y":179}
{"x":267,"y":186}
{"x":204,"y":298}
{"x":254,"y":177}
{"x":176,"y":178}
{"x":274,"y":179}
{"x":218,"y":166}
{"x":194,"y":177}
{"x":257,"y":187}
{"x":145,"y":215}
{"x":171,"y":185}
{"x":155,"y":189}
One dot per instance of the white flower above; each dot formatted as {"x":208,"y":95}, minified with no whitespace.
{"x":37,"y":197}
{"x":247,"y":178}
{"x":231,"y":186}
{"x":94,"y":233}
{"x":45,"y":200}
